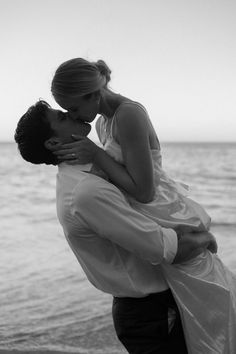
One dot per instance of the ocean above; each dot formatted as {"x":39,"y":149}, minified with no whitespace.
{"x":46,"y":303}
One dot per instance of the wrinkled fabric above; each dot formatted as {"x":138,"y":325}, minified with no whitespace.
{"x":205,"y":292}
{"x":171,"y":206}
{"x":204,"y":288}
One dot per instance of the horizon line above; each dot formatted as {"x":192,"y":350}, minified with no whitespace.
{"x":165,"y":141}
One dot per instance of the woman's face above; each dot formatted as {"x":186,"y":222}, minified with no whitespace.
{"x":84,"y":109}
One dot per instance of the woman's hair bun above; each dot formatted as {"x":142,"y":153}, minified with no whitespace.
{"x":104,"y":69}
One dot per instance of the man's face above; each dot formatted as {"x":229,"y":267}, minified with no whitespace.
{"x":63,"y":126}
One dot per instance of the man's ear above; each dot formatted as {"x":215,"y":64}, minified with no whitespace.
{"x":52,"y":143}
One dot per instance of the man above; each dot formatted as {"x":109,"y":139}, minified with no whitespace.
{"x":119,"y":249}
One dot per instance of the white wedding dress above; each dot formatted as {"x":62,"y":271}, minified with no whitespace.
{"x":204,"y":288}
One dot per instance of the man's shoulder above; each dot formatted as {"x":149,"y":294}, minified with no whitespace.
{"x":92,"y":187}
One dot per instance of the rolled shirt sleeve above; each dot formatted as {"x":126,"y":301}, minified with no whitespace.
{"x":170,"y":245}
{"x":104,"y":209}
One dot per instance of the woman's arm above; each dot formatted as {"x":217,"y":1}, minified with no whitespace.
{"x":136,"y":175}
{"x":132,"y":133}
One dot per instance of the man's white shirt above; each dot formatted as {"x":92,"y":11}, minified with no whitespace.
{"x":119,"y":249}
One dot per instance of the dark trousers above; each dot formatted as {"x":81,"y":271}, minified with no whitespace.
{"x":141,"y":324}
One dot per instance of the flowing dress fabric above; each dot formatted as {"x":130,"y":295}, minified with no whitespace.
{"x":204,"y":288}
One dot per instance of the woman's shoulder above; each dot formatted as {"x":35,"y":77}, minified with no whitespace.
{"x":130,"y":106}
{"x":132,"y":110}
{"x":129,"y":122}
{"x":130,"y":115}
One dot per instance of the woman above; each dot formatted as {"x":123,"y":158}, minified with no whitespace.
{"x":204,"y":289}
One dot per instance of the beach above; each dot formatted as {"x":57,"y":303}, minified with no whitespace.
{"x":105,"y":339}
{"x":47,"y":304}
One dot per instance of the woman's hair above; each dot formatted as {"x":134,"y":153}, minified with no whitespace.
{"x":32,"y":130}
{"x":79,"y":77}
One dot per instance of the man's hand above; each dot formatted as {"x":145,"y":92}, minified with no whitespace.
{"x":212,"y":246}
{"x":192,"y":244}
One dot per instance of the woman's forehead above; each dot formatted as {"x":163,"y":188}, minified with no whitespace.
{"x":68,"y":102}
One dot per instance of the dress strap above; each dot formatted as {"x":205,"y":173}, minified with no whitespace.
{"x":100,"y":128}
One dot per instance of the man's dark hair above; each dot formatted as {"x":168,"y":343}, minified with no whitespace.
{"x":32,"y":130}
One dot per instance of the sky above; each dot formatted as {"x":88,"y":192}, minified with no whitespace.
{"x":176,"y":57}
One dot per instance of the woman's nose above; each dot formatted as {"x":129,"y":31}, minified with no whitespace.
{"x":73,"y":115}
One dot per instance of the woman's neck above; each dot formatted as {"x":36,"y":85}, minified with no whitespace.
{"x":109,"y":103}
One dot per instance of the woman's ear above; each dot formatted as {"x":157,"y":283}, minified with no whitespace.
{"x":52,"y":143}
{"x":96,"y":96}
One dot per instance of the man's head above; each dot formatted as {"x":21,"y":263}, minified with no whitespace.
{"x":41,"y":128}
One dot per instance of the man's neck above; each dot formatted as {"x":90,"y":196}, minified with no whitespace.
{"x":83,"y":168}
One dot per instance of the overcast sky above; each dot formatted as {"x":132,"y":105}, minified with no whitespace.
{"x":176,"y":57}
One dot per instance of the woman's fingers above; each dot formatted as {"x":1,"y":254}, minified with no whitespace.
{"x":66,"y":157}
{"x":56,"y":147}
{"x":66,"y":146}
{"x":73,"y":157}
{"x":73,"y":162}
{"x":82,"y":150}
{"x":69,"y":148}
{"x":71,"y":145}
{"x":77,"y":137}
{"x":76,"y":161}
{"x":64,"y":152}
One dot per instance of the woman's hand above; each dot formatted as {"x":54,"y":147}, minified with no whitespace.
{"x":81,"y":151}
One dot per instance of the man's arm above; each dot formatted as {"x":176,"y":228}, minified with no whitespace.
{"x":104,"y":209}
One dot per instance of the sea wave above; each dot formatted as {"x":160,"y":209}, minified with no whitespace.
{"x":223,"y":224}
{"x":47,"y":302}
